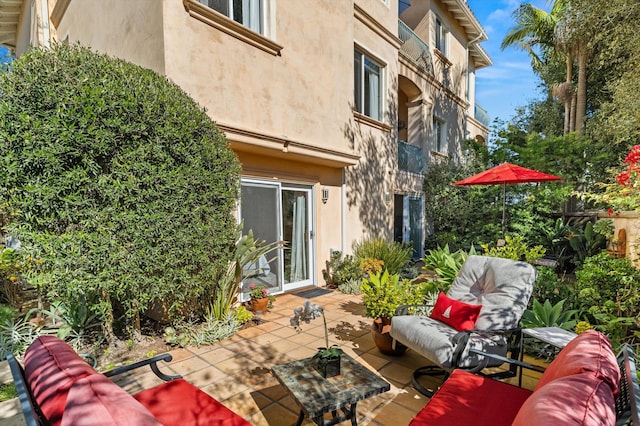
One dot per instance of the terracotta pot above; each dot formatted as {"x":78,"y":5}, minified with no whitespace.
{"x":381,"y":337}
{"x":260,"y":305}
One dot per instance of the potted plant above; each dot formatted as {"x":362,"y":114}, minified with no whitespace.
{"x":259,"y":297}
{"x":329,"y":356}
{"x":382,"y":294}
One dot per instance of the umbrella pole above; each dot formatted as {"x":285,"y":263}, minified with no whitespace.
{"x":504,"y":203}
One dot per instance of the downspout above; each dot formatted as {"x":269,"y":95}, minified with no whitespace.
{"x":343,"y":209}
{"x":472,"y":42}
{"x":46,"y":42}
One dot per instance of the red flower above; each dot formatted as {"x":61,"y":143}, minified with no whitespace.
{"x":634,"y":155}
{"x":623,"y":178}
{"x":610,"y":212}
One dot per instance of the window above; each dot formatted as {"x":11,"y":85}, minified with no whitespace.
{"x":249,"y":13}
{"x":441,"y":37}
{"x":368,"y":86}
{"x":439,"y":140}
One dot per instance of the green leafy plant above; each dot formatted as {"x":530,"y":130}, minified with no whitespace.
{"x":445,"y":264}
{"x":548,"y":315}
{"x":342,"y":270}
{"x":247,"y":251}
{"x":123,"y":186}
{"x":8,"y":391}
{"x":607,"y":290}
{"x":242,"y":314}
{"x":351,"y":287}
{"x":515,"y":248}
{"x":551,"y":287}
{"x":586,"y":243}
{"x":383,"y":293}
{"x":394,"y":255}
{"x":76,"y":319}
{"x":16,"y":334}
{"x":257,"y":291}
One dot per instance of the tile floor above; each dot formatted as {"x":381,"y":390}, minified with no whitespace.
{"x":237,"y":371}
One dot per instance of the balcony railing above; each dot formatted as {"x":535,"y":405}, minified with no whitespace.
{"x":410,"y":158}
{"x":415,"y":48}
{"x":481,"y":115}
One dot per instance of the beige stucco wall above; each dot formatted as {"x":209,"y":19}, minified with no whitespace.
{"x":630,"y":222}
{"x":301,"y":95}
{"x":130,"y":30}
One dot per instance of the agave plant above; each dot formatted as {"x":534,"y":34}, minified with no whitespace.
{"x":547,"y":315}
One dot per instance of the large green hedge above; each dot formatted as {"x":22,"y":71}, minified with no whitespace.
{"x":116,"y":179}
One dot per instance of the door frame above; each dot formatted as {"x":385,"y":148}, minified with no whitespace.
{"x":311,"y":217}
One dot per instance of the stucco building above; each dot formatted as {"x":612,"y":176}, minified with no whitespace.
{"x":334,"y":107}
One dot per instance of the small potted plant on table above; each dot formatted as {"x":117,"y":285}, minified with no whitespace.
{"x":328,"y":357}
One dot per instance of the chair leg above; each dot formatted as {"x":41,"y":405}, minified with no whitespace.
{"x":431,"y":371}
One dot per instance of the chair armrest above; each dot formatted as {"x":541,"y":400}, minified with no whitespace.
{"x":151,"y":362}
{"x":510,"y":361}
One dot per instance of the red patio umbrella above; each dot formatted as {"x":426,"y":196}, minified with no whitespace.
{"x":507,"y":173}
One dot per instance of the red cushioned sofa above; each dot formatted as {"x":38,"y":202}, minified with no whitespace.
{"x":584,"y":385}
{"x":57,"y":387}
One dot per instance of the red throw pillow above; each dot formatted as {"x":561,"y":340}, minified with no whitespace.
{"x":459,"y":315}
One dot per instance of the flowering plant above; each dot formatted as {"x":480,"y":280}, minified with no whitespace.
{"x":624,"y":193}
{"x":258,"y":291}
{"x":308,"y":312}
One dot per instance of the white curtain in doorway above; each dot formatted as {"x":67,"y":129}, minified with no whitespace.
{"x":298,"y":243}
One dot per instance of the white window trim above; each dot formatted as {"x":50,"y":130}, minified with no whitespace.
{"x":223,"y":23}
{"x":383,"y":89}
{"x":444,"y":36}
{"x":443,"y":149}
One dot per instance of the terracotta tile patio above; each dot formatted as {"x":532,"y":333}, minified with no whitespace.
{"x":237,"y":371}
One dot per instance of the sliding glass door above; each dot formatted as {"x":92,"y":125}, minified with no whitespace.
{"x":280,"y":212}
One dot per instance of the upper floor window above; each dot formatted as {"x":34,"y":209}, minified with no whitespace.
{"x":439,"y":138}
{"x":441,"y":36}
{"x":249,"y":13}
{"x":368,"y":85}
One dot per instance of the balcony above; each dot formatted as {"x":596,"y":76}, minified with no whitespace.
{"x":415,"y":48}
{"x":481,"y":115}
{"x":410,"y":158}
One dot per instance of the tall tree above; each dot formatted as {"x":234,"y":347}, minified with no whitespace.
{"x":536,"y":31}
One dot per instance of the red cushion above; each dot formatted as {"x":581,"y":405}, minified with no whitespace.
{"x":589,"y":352}
{"x":180,"y":403}
{"x":51,"y":366}
{"x":469,"y":399}
{"x":97,"y":401}
{"x":581,"y":399}
{"x":459,"y":315}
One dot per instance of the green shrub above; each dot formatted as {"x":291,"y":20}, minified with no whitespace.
{"x":445,"y":264}
{"x":117,"y":180}
{"x":549,"y":286}
{"x":607,"y":289}
{"x":394,"y":255}
{"x":384,"y":292}
{"x":515,"y":248}
{"x":609,"y":285}
{"x":342,"y":270}
{"x":351,"y":287}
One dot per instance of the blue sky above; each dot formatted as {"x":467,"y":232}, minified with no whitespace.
{"x":509,"y":82}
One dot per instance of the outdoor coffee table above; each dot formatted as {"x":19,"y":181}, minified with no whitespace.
{"x":316,"y":395}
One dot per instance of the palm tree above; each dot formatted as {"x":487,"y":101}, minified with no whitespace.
{"x":536,"y":28}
